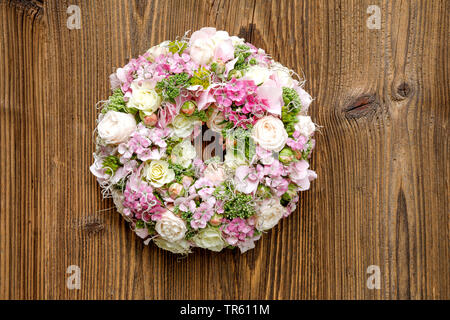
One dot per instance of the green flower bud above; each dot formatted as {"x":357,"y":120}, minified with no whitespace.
{"x":263,"y":191}
{"x":188,"y":108}
{"x":286,"y":155}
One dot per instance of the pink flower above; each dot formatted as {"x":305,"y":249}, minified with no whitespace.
{"x":246,"y":179}
{"x":272,"y":93}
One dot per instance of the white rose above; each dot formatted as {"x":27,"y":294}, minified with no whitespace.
{"x":157,"y":173}
{"x":144,"y":97}
{"x":202,"y":51}
{"x":210,"y":238}
{"x":183,"y":126}
{"x":178,"y":247}
{"x":219,"y":37}
{"x":305,"y":99}
{"x":305,"y":126}
{"x":268,"y":214}
{"x":270,"y":134}
{"x":216,"y":121}
{"x":170,"y":227}
{"x":116,"y":127}
{"x":237,"y":41}
{"x":283,"y":75}
{"x":258,"y":74}
{"x":158,"y":50}
{"x":183,"y":153}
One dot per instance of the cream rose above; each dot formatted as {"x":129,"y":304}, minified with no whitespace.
{"x":268,"y":214}
{"x":179,"y":247}
{"x":210,"y":238}
{"x":183,"y":126}
{"x":270,"y":134}
{"x":202,"y":51}
{"x":216,"y":121}
{"x":157,"y":173}
{"x":258,"y":74}
{"x":144,"y":98}
{"x":305,"y":126}
{"x":283,"y":75}
{"x":158,"y":50}
{"x":116,"y":127}
{"x":183,"y":153}
{"x":170,"y":227}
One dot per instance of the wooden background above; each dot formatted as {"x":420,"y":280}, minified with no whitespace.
{"x":382,"y":97}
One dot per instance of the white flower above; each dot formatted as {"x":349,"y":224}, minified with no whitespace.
{"x":144,"y":97}
{"x":305,"y":99}
{"x":305,"y":126}
{"x":183,"y":126}
{"x":219,"y":37}
{"x":270,"y":134}
{"x":183,"y":153}
{"x":157,"y":173}
{"x":268,"y":213}
{"x":179,"y":247}
{"x":170,"y":227}
{"x":202,"y":51}
{"x":116,"y":127}
{"x":233,"y":161}
{"x":216,"y":121}
{"x":258,"y":74}
{"x":210,"y":238}
{"x":282,"y":73}
{"x":237,"y":41}
{"x":158,"y":50}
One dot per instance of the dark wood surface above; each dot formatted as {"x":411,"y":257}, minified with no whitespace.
{"x":381,"y":96}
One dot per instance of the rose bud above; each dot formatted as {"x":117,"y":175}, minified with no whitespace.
{"x":150,"y":120}
{"x":175,"y":190}
{"x":187,"y":181}
{"x":286,"y":156}
{"x":188,"y":107}
{"x":216,"y":220}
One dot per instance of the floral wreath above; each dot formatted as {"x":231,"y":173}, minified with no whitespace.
{"x":146,"y":161}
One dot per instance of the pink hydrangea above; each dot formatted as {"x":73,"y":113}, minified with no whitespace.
{"x":238,"y":230}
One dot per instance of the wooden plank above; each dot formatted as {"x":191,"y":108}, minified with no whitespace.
{"x":382,"y":98}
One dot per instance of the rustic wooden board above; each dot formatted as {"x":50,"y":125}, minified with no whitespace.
{"x":382,"y":97}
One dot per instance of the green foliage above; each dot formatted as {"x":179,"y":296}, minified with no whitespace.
{"x":170,"y":88}
{"x":201,"y":115}
{"x":237,"y":204}
{"x":307,"y":151}
{"x":111,"y":164}
{"x":201,"y":77}
{"x":117,"y":103}
{"x":291,"y":98}
{"x":242,"y":52}
{"x":180,"y":171}
{"x":177,"y":46}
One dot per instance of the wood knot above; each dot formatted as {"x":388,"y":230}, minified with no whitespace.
{"x":403,"y":91}
{"x":246,"y":32}
{"x":362,"y":106}
{"x":93,"y":227}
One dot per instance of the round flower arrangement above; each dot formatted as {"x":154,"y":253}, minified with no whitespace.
{"x":147,"y":130}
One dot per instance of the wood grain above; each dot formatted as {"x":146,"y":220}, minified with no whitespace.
{"x":381,"y":96}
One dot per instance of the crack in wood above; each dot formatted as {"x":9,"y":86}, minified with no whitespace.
{"x":361,"y":107}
